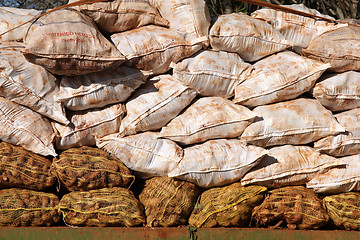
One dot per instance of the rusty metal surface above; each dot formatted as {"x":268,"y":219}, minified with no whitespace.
{"x":169,"y":233}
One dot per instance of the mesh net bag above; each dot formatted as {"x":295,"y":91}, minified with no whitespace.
{"x":23,"y":169}
{"x":299,"y":207}
{"x":344,"y":210}
{"x":23,"y":207}
{"x":226,"y":206}
{"x":88,"y":168}
{"x":168,"y":202}
{"x":102,"y":207}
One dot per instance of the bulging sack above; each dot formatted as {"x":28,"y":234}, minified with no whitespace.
{"x":293,"y":122}
{"x":289,"y":165}
{"x":28,"y":84}
{"x":23,"y":127}
{"x":251,"y":38}
{"x":145,"y":153}
{"x":66,"y":42}
{"x":119,"y":15}
{"x":217,"y":162}
{"x":153,"y":48}
{"x":279,"y":77}
{"x":212,"y":73}
{"x":208,"y":118}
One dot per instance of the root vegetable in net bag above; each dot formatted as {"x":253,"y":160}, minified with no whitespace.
{"x":88,"y":168}
{"x":298,"y":207}
{"x":344,"y":210}
{"x":168,"y":201}
{"x":23,"y":207}
{"x":102,"y":207}
{"x":229,"y":206}
{"x":20,"y":168}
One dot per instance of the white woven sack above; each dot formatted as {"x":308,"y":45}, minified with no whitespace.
{"x":190,"y":16}
{"x":212,"y":73}
{"x":145,"y":154}
{"x":28,"y":84}
{"x":343,"y":144}
{"x":23,"y":127}
{"x":338,"y":180}
{"x":66,"y":42}
{"x":121,"y":15}
{"x":296,"y":28}
{"x":279,"y":77}
{"x":217,"y":162}
{"x":153,"y":48}
{"x":13,"y":17}
{"x":208,"y":118}
{"x":251,"y":38}
{"x":339,"y":47}
{"x":293,"y":122}
{"x":153,"y":105}
{"x":88,"y":124}
{"x":338,"y":92}
{"x":289,"y":165}
{"x":96,"y":90}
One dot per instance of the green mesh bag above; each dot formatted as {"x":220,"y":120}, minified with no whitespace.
{"x":168,"y":201}
{"x":344,"y":210}
{"x":20,"y":168}
{"x":88,"y":168}
{"x":24,"y":207}
{"x":102,"y":207}
{"x":228,"y":206}
{"x":297,"y":206}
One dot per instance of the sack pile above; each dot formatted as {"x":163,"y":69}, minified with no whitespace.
{"x":209,"y":116}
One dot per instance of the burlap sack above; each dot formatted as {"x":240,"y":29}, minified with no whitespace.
{"x":208,"y":118}
{"x":145,"y":153}
{"x":23,"y":127}
{"x":289,"y":165}
{"x":96,"y":90}
{"x":119,"y":15}
{"x":212,"y":73}
{"x":89,"y":168}
{"x":12,"y":17}
{"x":66,"y":42}
{"x":338,"y":180}
{"x":23,"y":169}
{"x":153,"y":105}
{"x":28,"y":84}
{"x":168,"y":201}
{"x":229,"y":206}
{"x":344,"y":210}
{"x":339,"y":47}
{"x":251,"y":38}
{"x":338,"y":92}
{"x":23,"y":207}
{"x":190,"y":16}
{"x":102,"y":207}
{"x":153,"y":48}
{"x":293,"y":122}
{"x":282,"y":76}
{"x":298,"y":207}
{"x":217,"y":162}
{"x":343,"y":144}
{"x":88,"y":124}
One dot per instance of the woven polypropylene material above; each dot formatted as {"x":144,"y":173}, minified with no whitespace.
{"x":102,"y":207}
{"x":88,"y":168}
{"x":24,"y":207}
{"x":168,"y":201}
{"x":299,"y":207}
{"x":228,"y":206}
{"x":344,"y":210}
{"x":20,"y":168}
